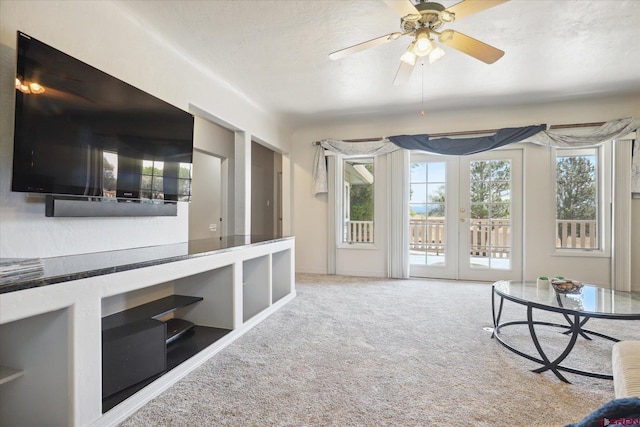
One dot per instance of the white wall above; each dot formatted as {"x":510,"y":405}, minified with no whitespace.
{"x":104,"y":36}
{"x":310,"y":218}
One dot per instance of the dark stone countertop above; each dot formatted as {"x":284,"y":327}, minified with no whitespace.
{"x":74,"y":267}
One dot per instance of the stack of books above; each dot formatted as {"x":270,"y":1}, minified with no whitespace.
{"x":14,"y":270}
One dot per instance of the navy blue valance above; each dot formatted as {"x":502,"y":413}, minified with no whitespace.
{"x":465,"y":146}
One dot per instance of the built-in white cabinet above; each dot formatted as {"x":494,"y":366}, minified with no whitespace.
{"x":50,"y":336}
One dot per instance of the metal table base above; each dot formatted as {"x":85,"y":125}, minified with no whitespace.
{"x":575,"y":328}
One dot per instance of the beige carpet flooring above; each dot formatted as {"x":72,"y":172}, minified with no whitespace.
{"x":354,"y":351}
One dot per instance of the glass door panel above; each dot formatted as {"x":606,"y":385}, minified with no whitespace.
{"x":430,"y":235}
{"x":490,"y":216}
{"x":465,"y":216}
{"x":490,"y":231}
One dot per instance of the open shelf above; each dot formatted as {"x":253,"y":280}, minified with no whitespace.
{"x":39,"y":345}
{"x":204,"y":299}
{"x":151,"y":310}
{"x":134,"y":348}
{"x":281,"y":284}
{"x":256,"y":294}
{"x":194,"y":341}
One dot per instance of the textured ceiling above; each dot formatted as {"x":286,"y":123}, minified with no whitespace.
{"x":276,"y":53}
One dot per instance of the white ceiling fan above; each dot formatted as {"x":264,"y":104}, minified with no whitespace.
{"x":421,"y":21}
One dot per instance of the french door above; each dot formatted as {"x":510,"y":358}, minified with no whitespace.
{"x":466,"y":216}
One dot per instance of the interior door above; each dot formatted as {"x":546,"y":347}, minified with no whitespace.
{"x":466,"y":216}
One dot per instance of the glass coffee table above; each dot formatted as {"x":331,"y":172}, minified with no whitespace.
{"x":591,"y":302}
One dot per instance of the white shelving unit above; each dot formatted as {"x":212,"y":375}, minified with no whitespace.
{"x":256,"y":295}
{"x":282,"y":269}
{"x":53,"y":333}
{"x":39,"y":345}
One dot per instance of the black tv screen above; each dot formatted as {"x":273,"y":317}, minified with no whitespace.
{"x":80,"y":131}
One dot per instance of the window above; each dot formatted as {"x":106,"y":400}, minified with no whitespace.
{"x":577,"y":199}
{"x":357,"y":205}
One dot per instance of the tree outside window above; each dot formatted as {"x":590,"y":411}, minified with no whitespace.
{"x":358,"y":201}
{"x":577,"y":199}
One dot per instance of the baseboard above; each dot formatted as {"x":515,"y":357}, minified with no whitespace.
{"x":310,"y":270}
{"x":362,"y":273}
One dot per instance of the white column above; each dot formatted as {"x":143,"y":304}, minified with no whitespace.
{"x":242,"y":174}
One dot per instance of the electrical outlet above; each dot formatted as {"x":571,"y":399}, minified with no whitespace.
{"x":213,"y":227}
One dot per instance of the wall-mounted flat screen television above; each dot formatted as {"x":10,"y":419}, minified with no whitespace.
{"x":80,"y":131}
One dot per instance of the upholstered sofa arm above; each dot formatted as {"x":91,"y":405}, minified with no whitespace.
{"x":625,"y":359}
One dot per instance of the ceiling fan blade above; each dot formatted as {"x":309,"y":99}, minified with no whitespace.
{"x":469,"y":7}
{"x":403,"y":7}
{"x":470,"y":46}
{"x":364,"y":45}
{"x":404,"y":73}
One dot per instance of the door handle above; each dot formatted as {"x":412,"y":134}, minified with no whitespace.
{"x":462,"y":220}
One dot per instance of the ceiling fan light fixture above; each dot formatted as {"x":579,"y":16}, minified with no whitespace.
{"x":423,"y":44}
{"x":445,"y":36}
{"x":446,"y":16}
{"x":409,"y":57}
{"x":423,"y":47}
{"x":436,"y":54}
{"x":412,"y":17}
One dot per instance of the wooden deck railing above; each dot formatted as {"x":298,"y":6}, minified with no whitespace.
{"x":576,"y":234}
{"x":359,"y":232}
{"x":431,"y":236}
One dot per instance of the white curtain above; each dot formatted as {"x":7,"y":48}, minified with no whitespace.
{"x":366,"y":148}
{"x":319,"y":178}
{"x":611,"y":130}
{"x":635,"y":168}
{"x":398,"y":213}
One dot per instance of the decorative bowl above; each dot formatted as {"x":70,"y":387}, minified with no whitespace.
{"x":566,"y":286}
